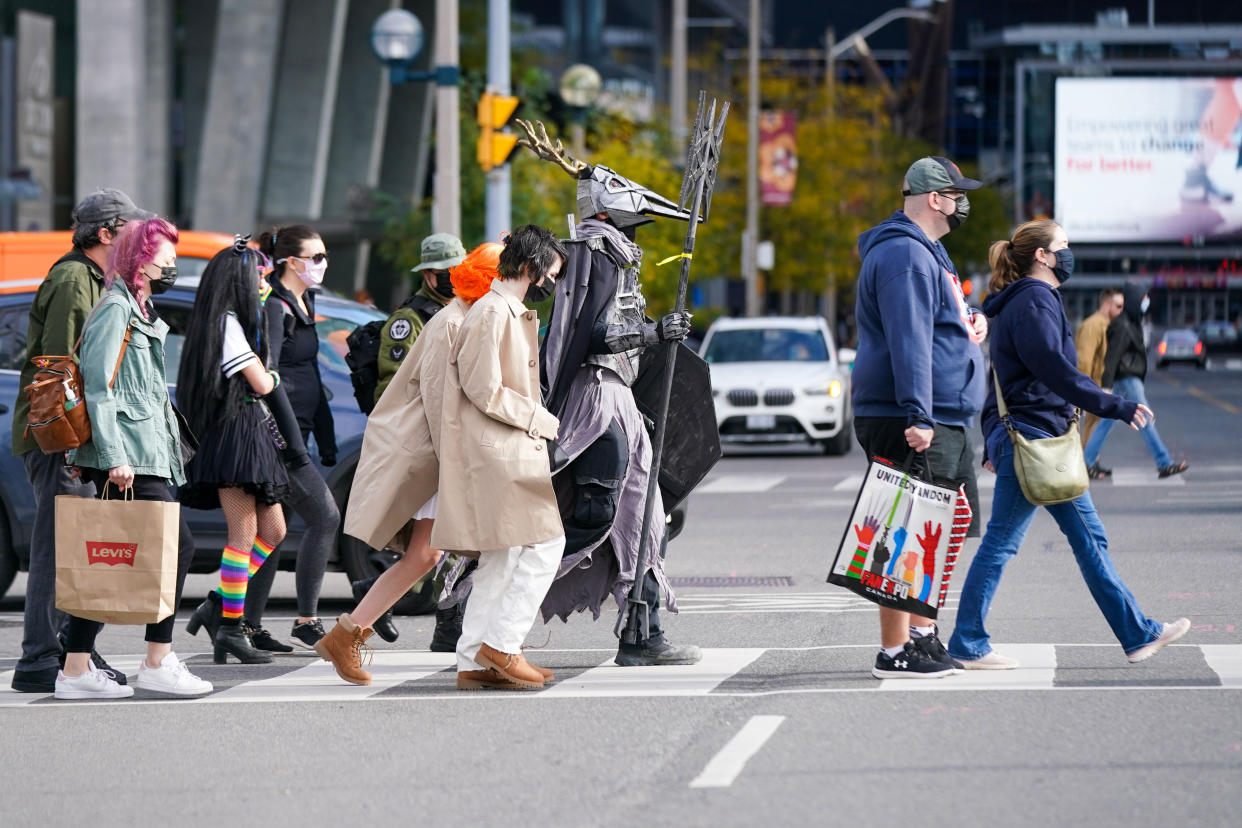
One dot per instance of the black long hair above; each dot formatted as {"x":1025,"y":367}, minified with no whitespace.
{"x":229,"y":284}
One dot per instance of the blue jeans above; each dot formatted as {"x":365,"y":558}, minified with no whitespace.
{"x":1011,"y":516}
{"x":1132,"y":389}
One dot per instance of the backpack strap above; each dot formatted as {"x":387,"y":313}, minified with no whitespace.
{"x":116,"y":369}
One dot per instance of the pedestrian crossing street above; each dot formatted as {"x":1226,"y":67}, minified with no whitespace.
{"x":413,"y":675}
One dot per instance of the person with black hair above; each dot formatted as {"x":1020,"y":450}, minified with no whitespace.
{"x":298,"y":261}
{"x":495,"y":496}
{"x":237,"y":468}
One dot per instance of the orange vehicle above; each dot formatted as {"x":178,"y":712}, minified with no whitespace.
{"x":25,"y":258}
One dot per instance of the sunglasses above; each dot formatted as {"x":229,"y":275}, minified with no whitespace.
{"x":318,"y":258}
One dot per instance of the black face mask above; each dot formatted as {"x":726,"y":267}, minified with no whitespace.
{"x":444,"y":284}
{"x":538,"y":293}
{"x":166,"y":279}
{"x":962,"y":213}
{"x":1064,"y":268}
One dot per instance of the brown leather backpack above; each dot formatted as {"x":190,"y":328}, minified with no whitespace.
{"x":58,"y":420}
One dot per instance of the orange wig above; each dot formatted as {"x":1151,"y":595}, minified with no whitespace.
{"x":473,"y":277}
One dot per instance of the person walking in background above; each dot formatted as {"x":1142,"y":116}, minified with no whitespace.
{"x":441,"y":253}
{"x":1125,"y":368}
{"x":237,"y":467}
{"x":299,"y":261}
{"x":61,"y":304}
{"x":1091,"y":341}
{"x":495,"y":494}
{"x":918,"y":378}
{"x":399,"y":469}
{"x":135,"y":442}
{"x":1035,"y":364}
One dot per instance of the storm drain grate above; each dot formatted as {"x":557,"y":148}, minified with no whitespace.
{"x":733,"y":581}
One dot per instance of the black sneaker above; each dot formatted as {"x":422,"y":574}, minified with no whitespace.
{"x":97,"y":660}
{"x":910,"y":663}
{"x":35,"y":681}
{"x":307,"y":635}
{"x":935,"y":650}
{"x":261,"y":639}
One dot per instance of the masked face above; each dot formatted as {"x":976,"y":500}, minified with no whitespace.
{"x":1145,"y":304}
{"x":1064,"y":268}
{"x":313,"y":270}
{"x":165,"y":279}
{"x":441,"y":281}
{"x":960,"y":213}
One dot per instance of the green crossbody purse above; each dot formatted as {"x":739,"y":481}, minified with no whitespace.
{"x":1049,"y":470}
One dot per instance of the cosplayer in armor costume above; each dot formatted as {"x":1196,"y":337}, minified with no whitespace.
{"x":589,"y":363}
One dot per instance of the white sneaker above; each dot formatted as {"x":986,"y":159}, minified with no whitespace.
{"x":1171,"y":632}
{"x":93,"y":684}
{"x":172,"y":677}
{"x":991,"y":661}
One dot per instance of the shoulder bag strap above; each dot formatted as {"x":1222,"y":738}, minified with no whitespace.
{"x":116,"y":369}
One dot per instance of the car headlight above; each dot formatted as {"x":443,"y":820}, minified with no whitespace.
{"x":832,"y":389}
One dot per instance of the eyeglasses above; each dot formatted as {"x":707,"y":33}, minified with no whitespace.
{"x":950,"y":193}
{"x":318,"y":258}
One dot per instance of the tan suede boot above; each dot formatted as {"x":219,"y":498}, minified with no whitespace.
{"x":343,"y":647}
{"x":512,"y":666}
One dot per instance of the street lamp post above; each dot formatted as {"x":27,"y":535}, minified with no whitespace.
{"x":397,"y":39}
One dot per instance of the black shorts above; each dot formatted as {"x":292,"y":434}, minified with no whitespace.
{"x":950,"y":456}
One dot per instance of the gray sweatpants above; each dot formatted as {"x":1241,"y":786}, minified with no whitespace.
{"x":310,"y":498}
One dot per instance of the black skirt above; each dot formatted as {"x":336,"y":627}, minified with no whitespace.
{"x":239,"y":452}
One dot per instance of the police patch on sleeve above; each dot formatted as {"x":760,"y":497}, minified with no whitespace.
{"x":397,"y":352}
{"x":399,"y":329}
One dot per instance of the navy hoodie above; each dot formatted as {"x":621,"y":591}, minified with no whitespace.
{"x":1034,"y":358}
{"x":916,"y":356}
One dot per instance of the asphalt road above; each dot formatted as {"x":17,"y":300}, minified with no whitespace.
{"x":782,"y":724}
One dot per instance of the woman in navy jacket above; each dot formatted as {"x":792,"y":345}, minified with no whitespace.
{"x":1035,"y":362}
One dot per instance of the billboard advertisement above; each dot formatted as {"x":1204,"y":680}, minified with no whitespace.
{"x":1148,"y":159}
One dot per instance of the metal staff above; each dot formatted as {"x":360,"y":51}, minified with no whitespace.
{"x":702,"y":161}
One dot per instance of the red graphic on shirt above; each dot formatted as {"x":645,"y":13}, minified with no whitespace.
{"x":963,"y":309}
{"x":111,"y":553}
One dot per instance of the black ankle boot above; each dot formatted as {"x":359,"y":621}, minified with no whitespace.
{"x":448,"y":628}
{"x":206,"y":615}
{"x":384,"y":626}
{"x":231,"y":638}
{"x":262,"y":639}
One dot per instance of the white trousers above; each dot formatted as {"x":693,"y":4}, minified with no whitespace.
{"x":509,"y":586}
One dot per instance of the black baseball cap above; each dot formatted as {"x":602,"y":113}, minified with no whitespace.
{"x":934,"y":173}
{"x":107,"y":205}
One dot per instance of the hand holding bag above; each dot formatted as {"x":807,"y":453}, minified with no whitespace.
{"x":116,"y":560}
{"x":1049,"y":470}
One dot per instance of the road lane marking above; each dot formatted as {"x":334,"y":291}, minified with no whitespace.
{"x":740,"y":484}
{"x":1210,"y":400}
{"x":725,"y":766}
{"x":850,"y":484}
{"x":318,"y":681}
{"x":1225,"y":661}
{"x":673,"y":680}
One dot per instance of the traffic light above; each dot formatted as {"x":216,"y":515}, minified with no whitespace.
{"x":495,"y":146}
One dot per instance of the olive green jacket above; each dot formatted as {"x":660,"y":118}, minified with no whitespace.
{"x":401,"y":329}
{"x":132,"y":421}
{"x":60,"y":307}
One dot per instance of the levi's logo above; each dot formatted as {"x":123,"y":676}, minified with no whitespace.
{"x":110,"y":553}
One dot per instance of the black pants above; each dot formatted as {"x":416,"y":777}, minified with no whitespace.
{"x":80,"y":633}
{"x":950,"y":455}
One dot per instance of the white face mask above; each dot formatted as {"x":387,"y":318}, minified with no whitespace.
{"x":312,"y":273}
{"x":1144,"y":305}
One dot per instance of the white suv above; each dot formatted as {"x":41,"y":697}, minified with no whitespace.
{"x":777,"y":379}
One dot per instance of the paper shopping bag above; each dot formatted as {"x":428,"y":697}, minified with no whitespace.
{"x":902,"y":538}
{"x":116,"y":560}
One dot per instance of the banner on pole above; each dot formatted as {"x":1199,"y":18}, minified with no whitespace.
{"x":778,"y":158}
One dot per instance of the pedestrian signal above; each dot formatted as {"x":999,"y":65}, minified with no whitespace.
{"x":967,"y":287}
{"x":495,"y":146}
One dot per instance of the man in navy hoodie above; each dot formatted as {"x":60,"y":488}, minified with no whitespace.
{"x":918,"y":378}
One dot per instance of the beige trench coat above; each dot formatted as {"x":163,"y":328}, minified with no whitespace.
{"x":495,"y":483}
{"x":398,"y":470}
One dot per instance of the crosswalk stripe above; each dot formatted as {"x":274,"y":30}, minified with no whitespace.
{"x":676,"y":680}
{"x":317,"y":682}
{"x":740,"y":484}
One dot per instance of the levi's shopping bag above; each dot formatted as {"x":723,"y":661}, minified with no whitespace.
{"x":902,"y":539}
{"x":116,"y":560}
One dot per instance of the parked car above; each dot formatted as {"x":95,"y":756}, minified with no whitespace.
{"x":1180,"y":345}
{"x":1219,"y":337}
{"x":780,"y":380}
{"x":336,"y":317}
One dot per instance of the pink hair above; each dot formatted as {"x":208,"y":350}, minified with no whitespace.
{"x":135,"y":247}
